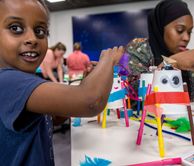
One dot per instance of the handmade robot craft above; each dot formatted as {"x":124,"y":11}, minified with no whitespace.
{"x":167,"y":96}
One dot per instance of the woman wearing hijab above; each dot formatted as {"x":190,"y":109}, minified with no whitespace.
{"x":170,"y":25}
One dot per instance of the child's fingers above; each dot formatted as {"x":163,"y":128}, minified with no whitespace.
{"x":118,"y":52}
{"x":115,"y":53}
{"x":121,"y":49}
{"x":115,"y":49}
{"x":105,"y":52}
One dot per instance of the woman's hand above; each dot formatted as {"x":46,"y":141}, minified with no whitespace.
{"x":168,"y":61}
{"x":185,"y":60}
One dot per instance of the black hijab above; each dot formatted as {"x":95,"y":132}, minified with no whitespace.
{"x":164,"y":13}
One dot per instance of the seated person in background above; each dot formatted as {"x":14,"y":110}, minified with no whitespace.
{"x":52,"y":65}
{"x":77,"y":62}
{"x":170,"y":25}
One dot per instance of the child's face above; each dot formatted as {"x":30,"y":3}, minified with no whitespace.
{"x":23,"y":34}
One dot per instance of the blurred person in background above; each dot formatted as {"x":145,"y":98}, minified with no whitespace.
{"x":170,"y":26}
{"x":77,"y":62}
{"x":52,"y":65}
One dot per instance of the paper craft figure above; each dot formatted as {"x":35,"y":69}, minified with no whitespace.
{"x":145,"y":79}
{"x":116,"y":99}
{"x":167,"y":97}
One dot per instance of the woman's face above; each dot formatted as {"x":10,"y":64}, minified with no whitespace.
{"x":59,"y":52}
{"x":177,"y":34}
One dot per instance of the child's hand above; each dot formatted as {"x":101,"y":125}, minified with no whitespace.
{"x":114,"y":54}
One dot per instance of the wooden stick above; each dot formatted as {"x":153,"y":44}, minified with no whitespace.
{"x":189,"y":114}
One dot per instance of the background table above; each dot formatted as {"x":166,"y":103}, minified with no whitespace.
{"x":117,"y":143}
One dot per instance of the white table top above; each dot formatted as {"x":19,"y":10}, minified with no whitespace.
{"x":117,"y":143}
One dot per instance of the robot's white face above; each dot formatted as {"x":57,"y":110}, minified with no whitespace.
{"x":168,"y":81}
{"x":116,"y":84}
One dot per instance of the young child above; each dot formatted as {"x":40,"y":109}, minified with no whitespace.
{"x":26,"y":100}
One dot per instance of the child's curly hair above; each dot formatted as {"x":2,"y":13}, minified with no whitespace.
{"x":42,"y":2}
{"x":44,"y":5}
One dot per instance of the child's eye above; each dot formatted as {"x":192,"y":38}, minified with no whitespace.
{"x":41,"y":32}
{"x":17,"y":29}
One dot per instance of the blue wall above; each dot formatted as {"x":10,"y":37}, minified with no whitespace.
{"x":101,"y":31}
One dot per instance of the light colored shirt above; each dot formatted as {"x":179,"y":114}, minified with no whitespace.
{"x":51,"y":60}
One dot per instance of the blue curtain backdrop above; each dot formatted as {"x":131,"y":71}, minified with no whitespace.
{"x":101,"y":31}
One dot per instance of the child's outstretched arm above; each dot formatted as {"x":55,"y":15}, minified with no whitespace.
{"x":87,"y":99}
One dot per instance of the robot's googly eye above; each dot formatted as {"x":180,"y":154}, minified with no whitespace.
{"x":175,"y":81}
{"x":164,"y":80}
